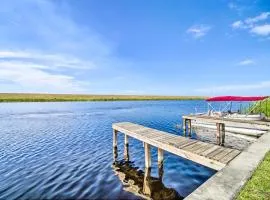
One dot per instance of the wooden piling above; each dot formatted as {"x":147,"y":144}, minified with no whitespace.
{"x":220,"y":135}
{"x":189,"y":128}
{"x":115,"y":152}
{"x":126,"y":152}
{"x":160,"y":156}
{"x":146,"y":182}
{"x":184,"y":126}
{"x":126,"y":139}
{"x":114,"y":138}
{"x":147,"y":154}
{"x":160,"y":172}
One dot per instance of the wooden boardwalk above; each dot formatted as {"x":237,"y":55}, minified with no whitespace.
{"x":210,"y":155}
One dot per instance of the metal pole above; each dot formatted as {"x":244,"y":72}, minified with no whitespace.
{"x":266,"y":107}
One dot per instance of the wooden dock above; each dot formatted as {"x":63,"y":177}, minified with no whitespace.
{"x":210,"y":155}
{"x":222,"y":122}
{"x":260,"y":125}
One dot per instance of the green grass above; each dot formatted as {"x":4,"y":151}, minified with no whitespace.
{"x":258,"y":187}
{"x":21,"y":97}
{"x":263,"y":107}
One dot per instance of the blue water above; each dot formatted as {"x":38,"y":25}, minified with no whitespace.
{"x":64,"y":150}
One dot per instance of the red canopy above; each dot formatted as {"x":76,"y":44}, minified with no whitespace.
{"x":236,"y":98}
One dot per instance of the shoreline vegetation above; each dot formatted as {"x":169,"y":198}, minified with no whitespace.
{"x":263,"y":107}
{"x":258,"y":186}
{"x":34,"y":97}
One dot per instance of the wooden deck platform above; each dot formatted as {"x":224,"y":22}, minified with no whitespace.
{"x":210,"y":155}
{"x":260,"y":125}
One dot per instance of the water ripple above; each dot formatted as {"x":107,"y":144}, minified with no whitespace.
{"x":64,"y":150}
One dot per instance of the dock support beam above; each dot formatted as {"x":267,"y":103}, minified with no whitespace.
{"x":146,"y":182}
{"x":147,"y":154}
{"x":115,"y":153}
{"x":220,"y":134}
{"x":187,"y":127}
{"x":184,"y":126}
{"x":160,"y":156}
{"x":126,"y":152}
{"x":115,"y":138}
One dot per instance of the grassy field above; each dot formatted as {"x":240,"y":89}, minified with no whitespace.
{"x":258,"y":187}
{"x":20,"y":97}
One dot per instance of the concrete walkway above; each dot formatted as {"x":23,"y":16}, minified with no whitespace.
{"x":227,"y":183}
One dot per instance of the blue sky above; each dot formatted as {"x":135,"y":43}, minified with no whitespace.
{"x":213,"y":47}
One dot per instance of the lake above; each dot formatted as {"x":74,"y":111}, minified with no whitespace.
{"x":64,"y":150}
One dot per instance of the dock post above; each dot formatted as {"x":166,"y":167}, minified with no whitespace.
{"x":115,"y":153}
{"x":160,"y":157}
{"x":147,"y":154}
{"x":126,"y":152}
{"x":222,"y":134}
{"x":160,"y":172}
{"x":147,"y":189}
{"x":184,"y":126}
{"x":189,"y":127}
{"x":218,"y":133}
{"x":114,"y":138}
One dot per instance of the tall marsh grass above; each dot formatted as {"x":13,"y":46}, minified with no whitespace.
{"x":21,"y":97}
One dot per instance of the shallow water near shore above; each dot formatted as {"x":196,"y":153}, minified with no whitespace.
{"x":64,"y":150}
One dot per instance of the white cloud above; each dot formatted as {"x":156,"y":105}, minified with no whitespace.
{"x":45,"y":50}
{"x":53,"y":60}
{"x":237,"y":24}
{"x":33,"y":78}
{"x":261,"y":17}
{"x":232,"y":88}
{"x":198,"y":31}
{"x":263,"y":30}
{"x":247,"y":62}
{"x":37,"y":72}
{"x":252,"y":24}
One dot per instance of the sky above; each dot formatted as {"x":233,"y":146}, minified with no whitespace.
{"x":213,"y":47}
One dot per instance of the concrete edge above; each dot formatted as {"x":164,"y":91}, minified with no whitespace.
{"x":227,"y":183}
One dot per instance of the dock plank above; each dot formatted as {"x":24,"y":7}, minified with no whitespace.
{"x":222,"y":154}
{"x":213,"y":153}
{"x":210,"y":155}
{"x":204,"y":148}
{"x":198,"y":146}
{"x":227,"y":158}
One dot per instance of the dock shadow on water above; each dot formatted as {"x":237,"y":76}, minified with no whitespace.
{"x":141,"y":183}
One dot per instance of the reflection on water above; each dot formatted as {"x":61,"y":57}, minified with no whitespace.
{"x":142,"y":183}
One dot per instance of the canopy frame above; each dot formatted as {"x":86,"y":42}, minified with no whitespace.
{"x":229,"y":99}
{"x":236,"y":98}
